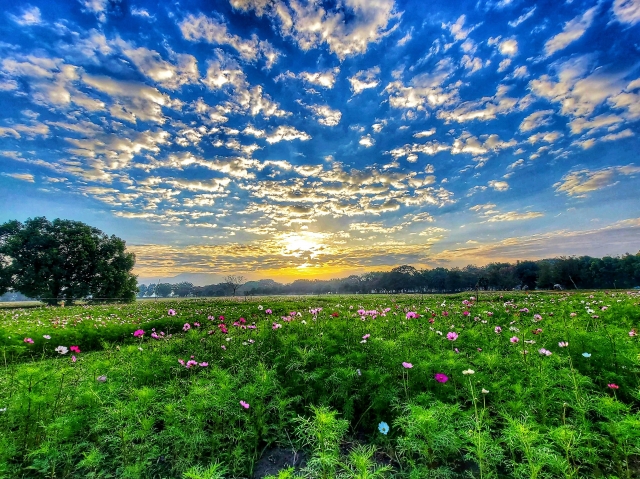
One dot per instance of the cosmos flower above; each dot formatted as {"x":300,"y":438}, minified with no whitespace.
{"x":613,"y":386}
{"x":451,"y":336}
{"x":586,"y":355}
{"x":74,"y":349}
{"x":563,"y":344}
{"x":46,"y":336}
{"x":171,"y":312}
{"x":514,"y":339}
{"x":101,"y":378}
{"x":61,"y":350}
{"x":244,"y":404}
{"x":466,"y":372}
{"x":28,"y":340}
{"x":383,"y":427}
{"x":407,"y":365}
{"x":138,"y":333}
{"x":441,"y":378}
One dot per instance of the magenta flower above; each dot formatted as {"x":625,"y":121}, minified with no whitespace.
{"x":451,"y":336}
{"x":171,"y":312}
{"x":203,"y":364}
{"x":224,"y":347}
{"x":28,"y":340}
{"x":186,"y":327}
{"x":411,"y":315}
{"x":466,"y":313}
{"x":497,"y":329}
{"x":514,"y":339}
{"x":366,"y":336}
{"x":74,"y":349}
{"x":181,"y":361}
{"x":138,"y":333}
{"x":441,"y":378}
{"x":244,"y":404}
{"x":613,"y":386}
{"x":407,"y":365}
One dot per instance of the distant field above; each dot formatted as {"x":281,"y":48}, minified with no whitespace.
{"x":510,"y":385}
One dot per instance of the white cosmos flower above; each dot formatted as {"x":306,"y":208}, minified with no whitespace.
{"x":468,"y":371}
{"x":62,"y":350}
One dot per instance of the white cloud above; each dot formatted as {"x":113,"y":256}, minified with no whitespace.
{"x":364,"y":79}
{"x":30,"y":16}
{"x":20,"y":176}
{"x":425,"y":133}
{"x":203,"y":28}
{"x":367,"y":141}
{"x":522,"y":18}
{"x":579,"y":183}
{"x":457,"y":29}
{"x":311,"y":25}
{"x":627,"y":11}
{"x":142,"y":12}
{"x":287,"y":133}
{"x":98,"y":7}
{"x":536,"y":120}
{"x":572,"y":31}
{"x":133,"y":101}
{"x":167,"y":75}
{"x":325,"y":115}
{"x":508,"y":47}
{"x":499,"y":185}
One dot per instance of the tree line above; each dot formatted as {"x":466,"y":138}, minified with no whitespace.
{"x":583,"y":272}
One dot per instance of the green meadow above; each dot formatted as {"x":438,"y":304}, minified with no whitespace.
{"x":502,"y":385}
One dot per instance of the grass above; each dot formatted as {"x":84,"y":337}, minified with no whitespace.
{"x":129,"y":406}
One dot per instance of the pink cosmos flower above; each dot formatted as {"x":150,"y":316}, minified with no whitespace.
{"x":407,"y":365}
{"x":196,"y":325}
{"x":613,"y":386}
{"x":138,"y":333}
{"x":441,"y":378}
{"x":203,"y":364}
{"x":28,"y":340}
{"x":514,"y":339}
{"x":573,"y":315}
{"x":190,"y":363}
{"x":366,"y":336}
{"x":181,"y":361}
{"x":154,"y":335}
{"x":411,"y":315}
{"x":451,"y":336}
{"x":545,"y":352}
{"x":171,"y":312}
{"x":445,"y":313}
{"x":497,"y":329}
{"x":224,"y":347}
{"x":101,"y":378}
{"x":276,"y":326}
{"x":633,"y":333}
{"x":244,"y":404}
{"x":537,"y":317}
{"x":186,"y":327}
{"x":268,"y":311}
{"x":73,"y":359}
{"x":466,"y":313}
{"x":74,"y":349}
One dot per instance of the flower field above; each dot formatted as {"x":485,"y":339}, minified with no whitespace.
{"x":521,"y":385}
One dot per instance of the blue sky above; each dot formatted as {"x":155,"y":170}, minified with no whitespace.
{"x":290,"y":139}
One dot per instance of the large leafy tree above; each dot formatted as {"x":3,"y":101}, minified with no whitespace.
{"x":64,"y":259}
